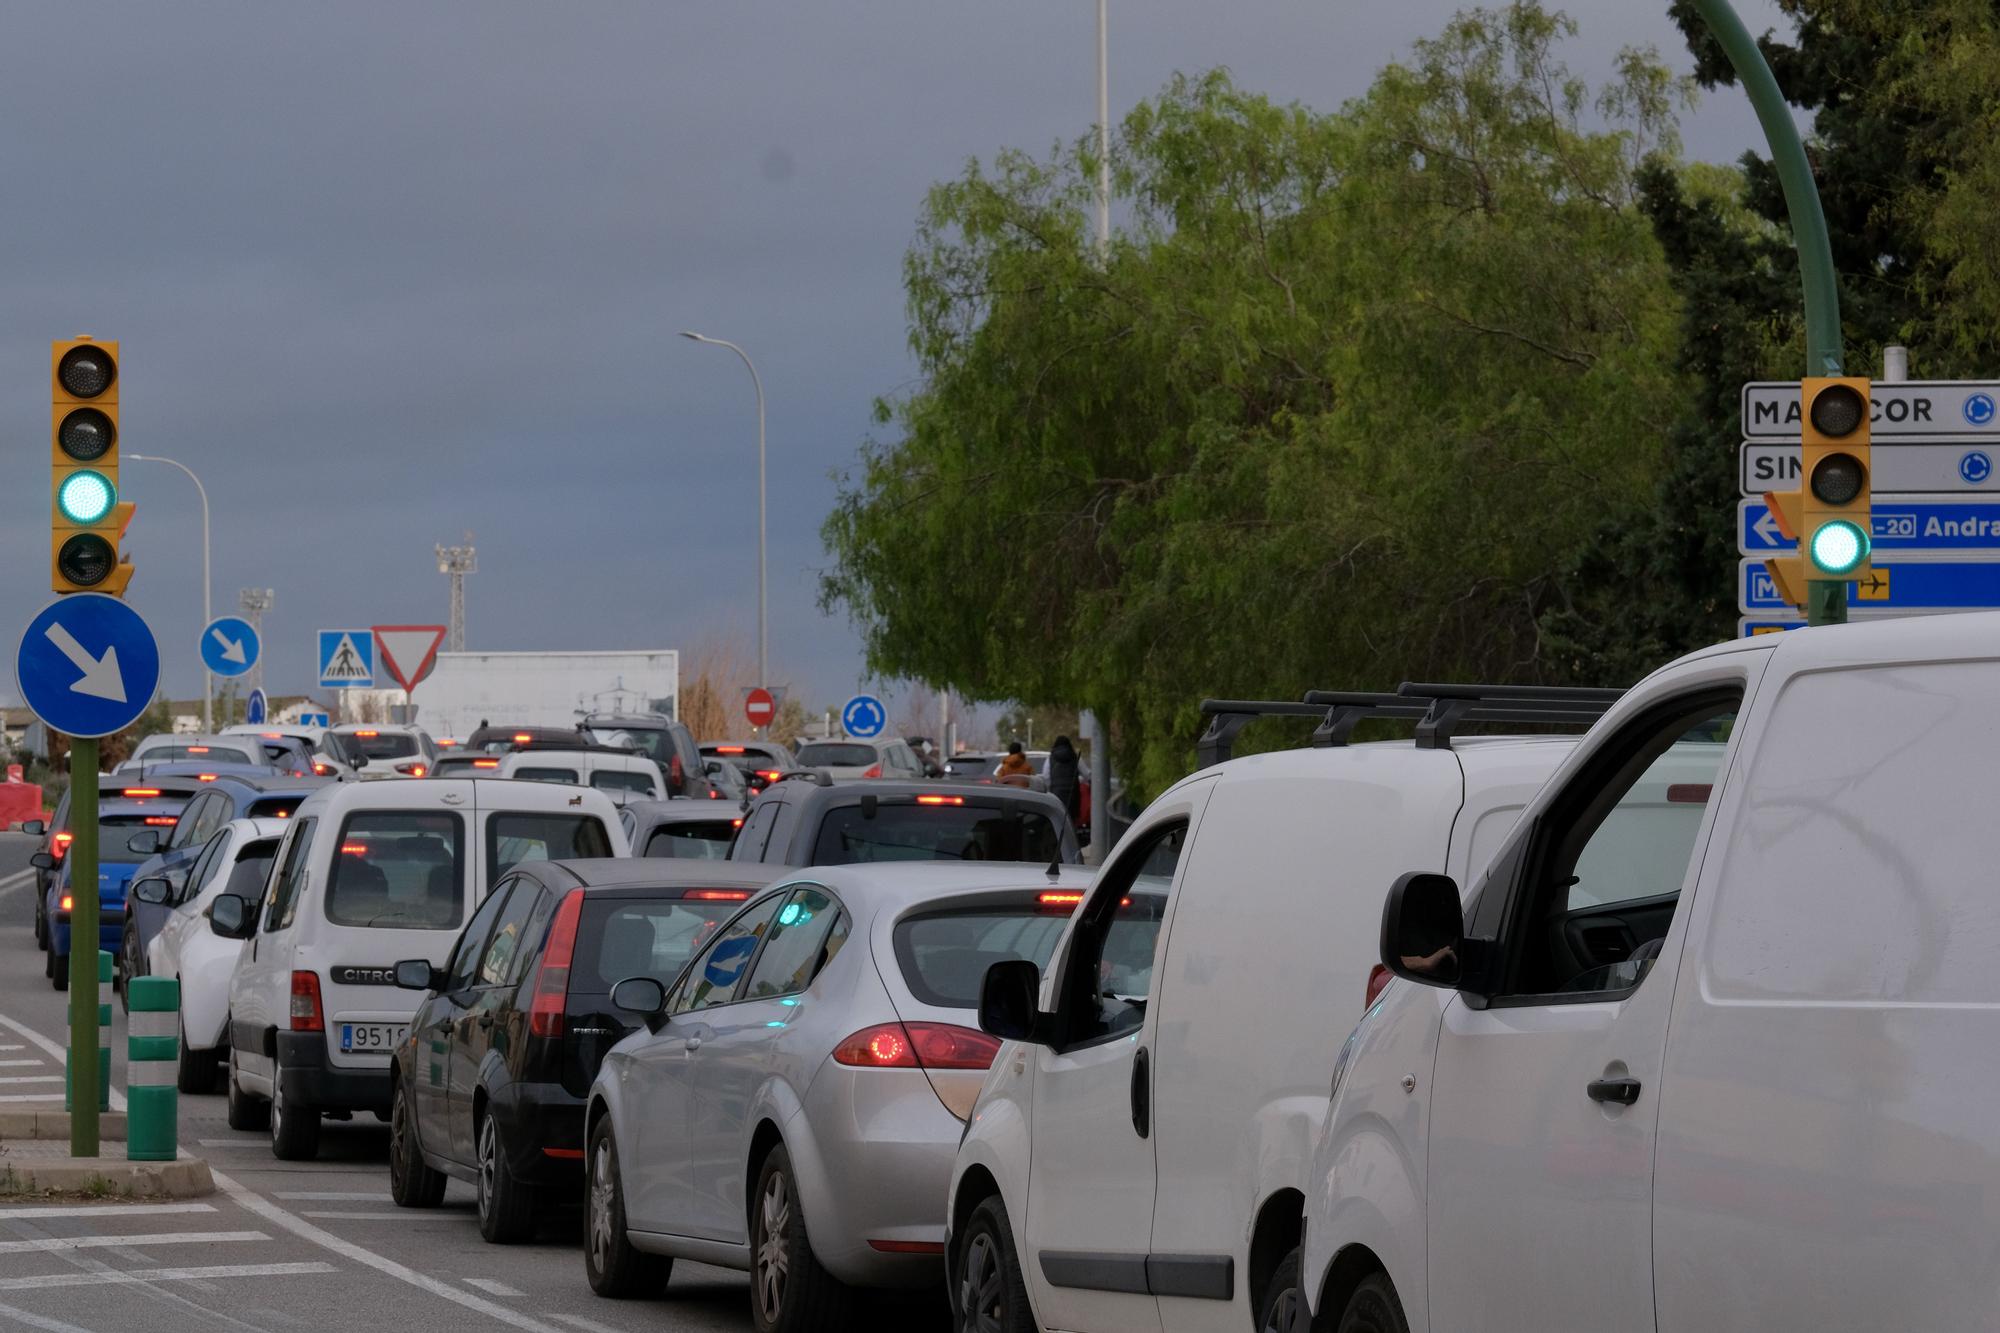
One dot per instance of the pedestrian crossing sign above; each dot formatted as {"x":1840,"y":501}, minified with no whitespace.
{"x":346,"y":658}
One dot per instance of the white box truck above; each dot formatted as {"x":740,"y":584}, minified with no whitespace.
{"x":544,"y":689}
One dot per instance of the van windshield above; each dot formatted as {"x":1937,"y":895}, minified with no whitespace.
{"x":935,"y":833}
{"x":401,"y":869}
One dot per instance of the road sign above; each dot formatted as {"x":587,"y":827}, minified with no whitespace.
{"x":346,"y":658}
{"x":229,"y":646}
{"x":760,"y":707}
{"x":409,"y":652}
{"x":256,"y":707}
{"x":87,"y":666}
{"x":1906,"y":468}
{"x":1908,"y":585}
{"x":1905,"y":409}
{"x":1913,"y":526}
{"x":315,"y":720}
{"x":864,"y":716}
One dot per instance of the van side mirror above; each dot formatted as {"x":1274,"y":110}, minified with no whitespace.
{"x":1423,"y":930}
{"x":145,"y":842}
{"x":419,"y":974}
{"x":229,"y":916}
{"x":153,"y":889}
{"x":42,"y":861}
{"x":1009,"y":1000}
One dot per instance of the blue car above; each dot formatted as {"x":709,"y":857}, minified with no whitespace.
{"x":171,"y":853}
{"x":119,"y":818}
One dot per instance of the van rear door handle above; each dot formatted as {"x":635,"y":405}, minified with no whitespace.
{"x":1623,"y":1091}
{"x":1142,"y":1094}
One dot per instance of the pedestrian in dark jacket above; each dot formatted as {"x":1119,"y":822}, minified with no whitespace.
{"x":1062,"y":775}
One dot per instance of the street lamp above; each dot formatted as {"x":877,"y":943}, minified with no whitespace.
{"x":207,"y":608}
{"x":763,"y":625}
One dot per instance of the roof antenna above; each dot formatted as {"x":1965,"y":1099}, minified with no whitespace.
{"x":1055,"y":868}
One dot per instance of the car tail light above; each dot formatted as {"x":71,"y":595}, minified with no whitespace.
{"x":1378,"y":981}
{"x":162,"y":821}
{"x":545,"y":1011}
{"x":354,"y":849}
{"x":197,"y":749}
{"x":522,"y":737}
{"x":769,"y":774}
{"x":736,"y":823}
{"x":940,"y":800}
{"x":322,"y":769}
{"x":139,"y":793}
{"x":917,"y":1046}
{"x":62,"y":842}
{"x":414,"y":770}
{"x":306,"y":1013}
{"x":729,"y":749}
{"x":368,"y":735}
{"x":874,"y":771}
{"x":204,"y":777}
{"x":445,"y":743}
{"x":676,"y":775}
{"x":1068,"y":898}
{"x":714,"y":795}
{"x":64,"y":903}
{"x":717,"y":895}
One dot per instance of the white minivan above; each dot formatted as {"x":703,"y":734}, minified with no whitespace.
{"x":1137,"y":1156}
{"x":371,"y":873}
{"x":621,"y":774}
{"x":1725,"y":1071}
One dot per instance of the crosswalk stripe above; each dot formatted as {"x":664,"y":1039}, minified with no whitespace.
{"x":412,"y":1215}
{"x":333,"y":1196}
{"x":105,"y":1209}
{"x":493,"y":1287}
{"x":33,"y":1097}
{"x":28,"y":1319}
{"x":53,"y":1243}
{"x":133,"y":1276}
{"x":20,"y":1064}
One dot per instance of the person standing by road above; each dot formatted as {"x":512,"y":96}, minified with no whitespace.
{"x":1062,"y":775}
{"x":1015,"y":765}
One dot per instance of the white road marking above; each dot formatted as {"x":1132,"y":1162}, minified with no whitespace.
{"x":136,"y":1276}
{"x":332,"y":1196}
{"x":409,"y":1216}
{"x":18,"y":879}
{"x":45,"y":1245}
{"x":32,"y":1078}
{"x":43,"y":1322}
{"x":493,"y":1287}
{"x":17,"y":1046}
{"x":33,"y":1097}
{"x":19,"y":1064}
{"x":106,"y":1209}
{"x":587,"y":1325}
{"x":49,"y":1047}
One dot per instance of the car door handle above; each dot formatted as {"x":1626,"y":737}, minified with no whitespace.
{"x":1142,"y":1094}
{"x":1623,"y":1091}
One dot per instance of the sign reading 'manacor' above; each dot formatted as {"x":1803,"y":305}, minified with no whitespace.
{"x":1906,"y":409}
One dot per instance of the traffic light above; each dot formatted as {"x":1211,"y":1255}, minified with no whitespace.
{"x":1834,"y":476}
{"x":87,"y":520}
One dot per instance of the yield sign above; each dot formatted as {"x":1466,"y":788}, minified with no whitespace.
{"x":760,"y":707}
{"x":408,"y":651}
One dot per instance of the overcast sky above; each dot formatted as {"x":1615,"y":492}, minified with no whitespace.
{"x":386,"y":272}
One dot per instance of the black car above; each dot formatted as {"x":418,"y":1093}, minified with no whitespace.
{"x":808,"y":820}
{"x":666,"y":742}
{"x":490,"y":1084}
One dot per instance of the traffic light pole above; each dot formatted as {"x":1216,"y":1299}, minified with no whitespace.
{"x":1826,"y":600}
{"x":83,"y":1089}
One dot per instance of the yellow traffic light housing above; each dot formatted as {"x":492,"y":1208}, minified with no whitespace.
{"x":87,"y":520}
{"x":1835,"y":479}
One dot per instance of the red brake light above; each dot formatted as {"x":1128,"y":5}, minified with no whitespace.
{"x":545,"y":1011}
{"x":486,"y":763}
{"x":736,"y":823}
{"x":445,"y":742}
{"x":63,"y":841}
{"x":204,"y":777}
{"x":917,"y":1046}
{"x":136,"y":792}
{"x":940,"y":800}
{"x":306,"y":1014}
{"x":714,"y":795}
{"x":414,"y":770}
{"x":874,"y":771}
{"x":197,"y":749}
{"x":64,"y":903}
{"x":769,"y":774}
{"x":717,"y":895}
{"x":354,"y":849}
{"x":368,"y":735}
{"x":675,"y":773}
{"x":729,"y":749}
{"x":162,"y":821}
{"x":1058,"y":899}
{"x":322,"y":769}
{"x":523,"y":737}
{"x":1378,"y":981}
{"x":274,"y":735}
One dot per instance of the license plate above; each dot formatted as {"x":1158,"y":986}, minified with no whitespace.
{"x":371,"y":1036}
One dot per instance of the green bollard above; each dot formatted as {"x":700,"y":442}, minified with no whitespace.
{"x":152,"y":1057}
{"x":103,"y":1029}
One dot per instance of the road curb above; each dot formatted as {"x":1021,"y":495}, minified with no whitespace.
{"x":107,"y":1177}
{"x":55,"y":1125}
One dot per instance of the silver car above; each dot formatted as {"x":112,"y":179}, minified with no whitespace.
{"x":793,"y":1102}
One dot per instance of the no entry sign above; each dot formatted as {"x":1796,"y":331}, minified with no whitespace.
{"x":760,"y":707}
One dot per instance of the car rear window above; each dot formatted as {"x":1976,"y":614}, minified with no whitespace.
{"x":382,"y":744}
{"x":834,"y":755}
{"x":455,"y":766}
{"x":114,"y":830}
{"x":944,"y":954}
{"x":201,"y":754}
{"x":935,"y":833}
{"x":612,"y":780}
{"x":704,"y":840}
{"x":563,"y":775}
{"x":517,"y":836}
{"x":273,"y":807}
{"x":644,"y":937}
{"x":400,"y":869}
{"x":252,"y":870}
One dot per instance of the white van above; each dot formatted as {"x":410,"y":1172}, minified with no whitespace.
{"x":370,"y":873}
{"x":1137,"y":1156}
{"x":1753,"y":1092}
{"x":622,"y":775}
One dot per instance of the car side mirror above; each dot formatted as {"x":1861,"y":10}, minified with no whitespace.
{"x":145,"y":842}
{"x":34,"y":827}
{"x":419,"y":974}
{"x":229,"y":916}
{"x":42,"y":861}
{"x":1423,"y":930}
{"x":1010,"y":996}
{"x":153,"y":889}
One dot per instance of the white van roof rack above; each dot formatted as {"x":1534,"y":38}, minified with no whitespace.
{"x":1439,"y":710}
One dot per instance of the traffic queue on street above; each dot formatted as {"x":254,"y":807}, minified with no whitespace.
{"x":1495,"y":1026}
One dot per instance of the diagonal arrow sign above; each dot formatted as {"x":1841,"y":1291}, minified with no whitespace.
{"x":101,"y":677}
{"x":232,"y":649}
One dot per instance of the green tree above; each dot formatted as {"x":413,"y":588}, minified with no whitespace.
{"x":1342,"y":403}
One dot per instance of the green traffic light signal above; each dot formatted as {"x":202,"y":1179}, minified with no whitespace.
{"x":86,"y":497}
{"x":1839,"y":547}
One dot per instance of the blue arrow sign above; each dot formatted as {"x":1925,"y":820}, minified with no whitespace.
{"x":315,"y":720}
{"x":255,"y":707}
{"x":1944,"y":523}
{"x":87,"y":665}
{"x":346,"y":658}
{"x":229,"y":645}
{"x":864,"y":716}
{"x":1953,"y":585}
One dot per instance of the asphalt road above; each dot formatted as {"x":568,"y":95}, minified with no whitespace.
{"x":284,"y":1245}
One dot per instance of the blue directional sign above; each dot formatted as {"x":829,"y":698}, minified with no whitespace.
{"x":864,"y":716}
{"x":315,"y":720}
{"x":255,"y":708}
{"x":1966,"y":524}
{"x":229,"y":645}
{"x":87,"y":665}
{"x":346,"y":658}
{"x":1944,"y":585}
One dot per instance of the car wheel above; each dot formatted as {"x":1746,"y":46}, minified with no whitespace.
{"x":614,"y":1267}
{"x":991,"y":1295}
{"x":789,"y":1291}
{"x":1281,"y":1297}
{"x":245,"y":1111}
{"x":59,"y":970}
{"x":196,"y":1070}
{"x":413,"y":1183}
{"x":1373,"y":1308}
{"x":506,"y":1206}
{"x":294,"y":1127}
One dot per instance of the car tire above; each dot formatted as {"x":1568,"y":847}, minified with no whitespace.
{"x":413,"y":1182}
{"x":294,"y":1127}
{"x":1281,"y":1297}
{"x":196,"y":1069}
{"x":59,"y":970}
{"x":506,"y":1205}
{"x":789,"y":1291}
{"x":990,"y":1291}
{"x":615,"y":1269}
{"x":1373,"y":1308}
{"x":245,"y":1111}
